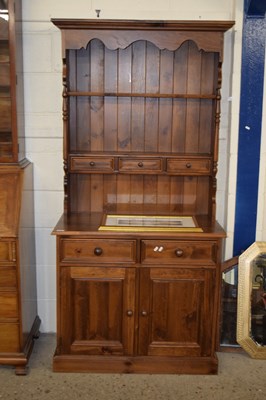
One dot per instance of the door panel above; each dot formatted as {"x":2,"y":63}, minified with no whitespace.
{"x":98,"y":317}
{"x":175,"y":318}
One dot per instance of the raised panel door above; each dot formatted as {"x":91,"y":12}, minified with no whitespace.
{"x":97,"y":310}
{"x":176,"y":312}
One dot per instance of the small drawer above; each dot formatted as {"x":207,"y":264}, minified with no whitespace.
{"x":7,"y":277}
{"x":4,"y":51}
{"x":7,"y":251}
{"x":4,"y":74}
{"x":5,"y":107}
{"x":8,"y":305}
{"x":92,"y":164}
{"x":140,"y":165}
{"x":189,"y":166}
{"x":178,"y":252}
{"x":102,"y":251}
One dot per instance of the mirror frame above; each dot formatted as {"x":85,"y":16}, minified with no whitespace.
{"x":226,"y":267}
{"x":254,"y":349}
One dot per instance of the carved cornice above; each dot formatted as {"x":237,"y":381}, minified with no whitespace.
{"x":118,"y":24}
{"x":170,"y":35}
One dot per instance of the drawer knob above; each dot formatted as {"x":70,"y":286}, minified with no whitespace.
{"x":92,"y":163}
{"x":140,"y":164}
{"x":98,"y":251}
{"x":179,"y":252}
{"x":129,"y":313}
{"x":144,"y":313}
{"x":188,"y":165}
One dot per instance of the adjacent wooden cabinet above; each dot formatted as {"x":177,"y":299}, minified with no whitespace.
{"x":12,"y":134}
{"x":19,"y":322}
{"x":141,"y":109}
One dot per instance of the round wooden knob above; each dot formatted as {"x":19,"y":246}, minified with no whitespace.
{"x":144,"y":313}
{"x":179,"y":252}
{"x":140,"y":164}
{"x":129,"y":313}
{"x":98,"y":251}
{"x":188,"y":165}
{"x":92,"y":163}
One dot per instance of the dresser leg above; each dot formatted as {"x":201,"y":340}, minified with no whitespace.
{"x":21,"y":370}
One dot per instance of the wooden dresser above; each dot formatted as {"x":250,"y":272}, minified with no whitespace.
{"x":138,"y":247}
{"x":19,"y":322}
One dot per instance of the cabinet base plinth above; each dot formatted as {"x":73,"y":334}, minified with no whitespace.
{"x":137,"y":365}
{"x":20,"y":359}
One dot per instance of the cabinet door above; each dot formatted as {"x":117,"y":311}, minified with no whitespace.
{"x":176,"y":312}
{"x":97,"y":307}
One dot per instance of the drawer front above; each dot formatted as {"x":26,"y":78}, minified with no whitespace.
{"x":178,"y":252}
{"x":92,"y":164}
{"x":9,"y":338}
{"x":7,"y":252}
{"x":140,"y":165}
{"x":4,"y":74}
{"x":189,"y":166}
{"x":5,"y":108}
{"x":8,"y":305}
{"x":7,"y":277}
{"x":4,"y":52}
{"x":93,"y":250}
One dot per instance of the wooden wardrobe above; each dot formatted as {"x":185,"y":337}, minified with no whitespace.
{"x":138,"y":247}
{"x":19,"y":322}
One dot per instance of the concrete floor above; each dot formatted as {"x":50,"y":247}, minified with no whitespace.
{"x":239,"y":378}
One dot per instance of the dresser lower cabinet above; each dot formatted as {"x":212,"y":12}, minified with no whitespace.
{"x":136,"y":305}
{"x":19,"y":321}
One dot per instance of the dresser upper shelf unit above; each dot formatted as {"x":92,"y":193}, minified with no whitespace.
{"x":141,"y":98}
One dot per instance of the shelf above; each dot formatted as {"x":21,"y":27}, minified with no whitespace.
{"x":143,"y":95}
{"x":129,"y":154}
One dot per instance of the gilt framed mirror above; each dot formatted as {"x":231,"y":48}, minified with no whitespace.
{"x":251,"y":301}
